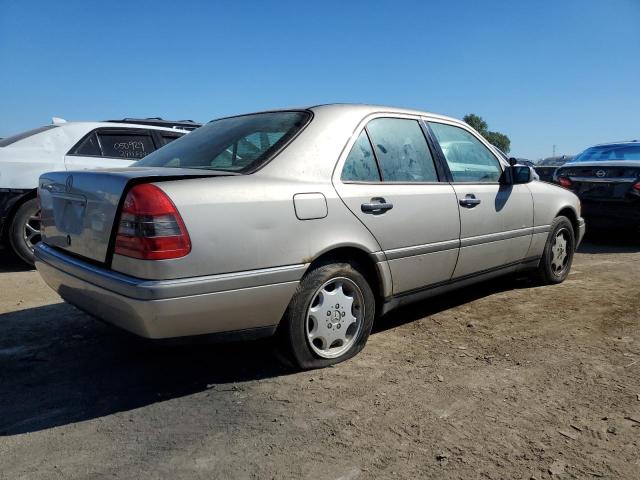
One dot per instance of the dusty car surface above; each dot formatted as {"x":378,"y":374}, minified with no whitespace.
{"x":307,"y":223}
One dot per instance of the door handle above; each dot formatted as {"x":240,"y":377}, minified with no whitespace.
{"x":469,"y":201}
{"x":377,"y":206}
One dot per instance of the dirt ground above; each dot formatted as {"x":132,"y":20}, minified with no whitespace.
{"x":501,"y":381}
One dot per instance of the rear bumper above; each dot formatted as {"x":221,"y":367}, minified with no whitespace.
{"x":611,"y":214}
{"x":171,"y":308}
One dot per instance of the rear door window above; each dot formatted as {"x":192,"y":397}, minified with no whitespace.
{"x":468,"y":159}
{"x":360,"y":165}
{"x":89,"y":147}
{"x":402,"y":150}
{"x":125,"y":145}
{"x":169,"y":137}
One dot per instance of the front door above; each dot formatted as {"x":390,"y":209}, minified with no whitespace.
{"x":389,"y":180}
{"x":496,"y":221}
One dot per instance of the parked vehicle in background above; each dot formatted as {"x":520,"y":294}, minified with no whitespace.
{"x":188,"y":125}
{"x":304,"y":222}
{"x":606,"y":177}
{"x":546,"y":167}
{"x":66,"y":146}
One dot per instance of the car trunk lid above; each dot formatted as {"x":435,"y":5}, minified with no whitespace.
{"x":79,"y":209}
{"x":597,"y":181}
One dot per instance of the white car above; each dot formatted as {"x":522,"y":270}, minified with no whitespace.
{"x":67,"y":146}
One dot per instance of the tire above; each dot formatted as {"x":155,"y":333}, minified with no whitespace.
{"x":24,"y":231}
{"x":319,"y":328}
{"x":558,"y":253}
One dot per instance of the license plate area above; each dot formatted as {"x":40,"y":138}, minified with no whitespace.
{"x":596,"y":190}
{"x":69,"y":213}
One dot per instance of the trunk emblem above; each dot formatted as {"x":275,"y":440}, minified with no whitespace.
{"x":601,"y":173}
{"x":68,"y":184}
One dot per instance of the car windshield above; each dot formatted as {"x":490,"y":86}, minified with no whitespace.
{"x":5,"y":142}
{"x":235,"y":144}
{"x":610,"y":152}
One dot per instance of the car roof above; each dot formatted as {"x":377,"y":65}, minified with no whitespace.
{"x":112,"y":124}
{"x":620,"y":143}
{"x":362,"y":109}
{"x":160,"y":122}
{"x":367,"y":109}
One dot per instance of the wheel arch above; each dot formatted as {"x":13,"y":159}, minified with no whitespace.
{"x":572,"y":215}
{"x":358,"y":256}
{"x":11,"y":212}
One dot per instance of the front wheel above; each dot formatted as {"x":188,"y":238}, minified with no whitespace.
{"x":24,"y":231}
{"x":558,"y":253}
{"x":329,"y":318}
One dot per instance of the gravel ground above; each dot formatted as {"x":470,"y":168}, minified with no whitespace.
{"x":504,"y":380}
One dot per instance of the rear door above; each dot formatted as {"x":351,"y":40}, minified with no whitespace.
{"x":496,"y":221}
{"x":389,"y":179}
{"x":111,"y":148}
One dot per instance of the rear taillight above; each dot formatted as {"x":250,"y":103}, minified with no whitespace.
{"x":565,"y":182}
{"x":636,"y":186}
{"x":150,"y":226}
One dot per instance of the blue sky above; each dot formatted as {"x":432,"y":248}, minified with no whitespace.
{"x":543,"y":72}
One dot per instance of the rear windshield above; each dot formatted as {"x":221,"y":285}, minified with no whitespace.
{"x":235,"y":144}
{"x":21,"y":136}
{"x":609,"y":152}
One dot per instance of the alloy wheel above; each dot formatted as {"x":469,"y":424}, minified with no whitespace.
{"x":560,"y":252}
{"x":335,"y":317}
{"x":31,"y":231}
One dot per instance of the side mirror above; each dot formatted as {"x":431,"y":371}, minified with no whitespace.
{"x":521,"y":174}
{"x":516,"y":174}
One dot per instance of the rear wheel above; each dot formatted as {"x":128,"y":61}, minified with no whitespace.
{"x":329,"y":318}
{"x":558,"y":253}
{"x":24,"y":231}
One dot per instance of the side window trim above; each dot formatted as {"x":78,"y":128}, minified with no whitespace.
{"x":72,"y":151}
{"x":156,"y":138}
{"x":375,"y":155}
{"x":442,"y":169}
{"x":357,"y":135}
{"x":123,"y":131}
{"x":442,"y":158}
{"x":420,"y":122}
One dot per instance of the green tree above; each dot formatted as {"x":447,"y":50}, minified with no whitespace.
{"x":497,"y":139}
{"x":476,"y":122}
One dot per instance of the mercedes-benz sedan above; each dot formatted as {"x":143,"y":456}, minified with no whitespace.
{"x":308,"y":223}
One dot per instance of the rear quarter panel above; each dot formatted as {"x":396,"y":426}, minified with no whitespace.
{"x":249,"y":222}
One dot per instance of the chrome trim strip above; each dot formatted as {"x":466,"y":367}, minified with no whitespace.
{"x":451,"y":284}
{"x":142,"y":289}
{"x":541,"y":229}
{"x":412,"y":251}
{"x":603,"y":179}
{"x":495,"y":237}
{"x":378,"y":256}
{"x":421,"y":249}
